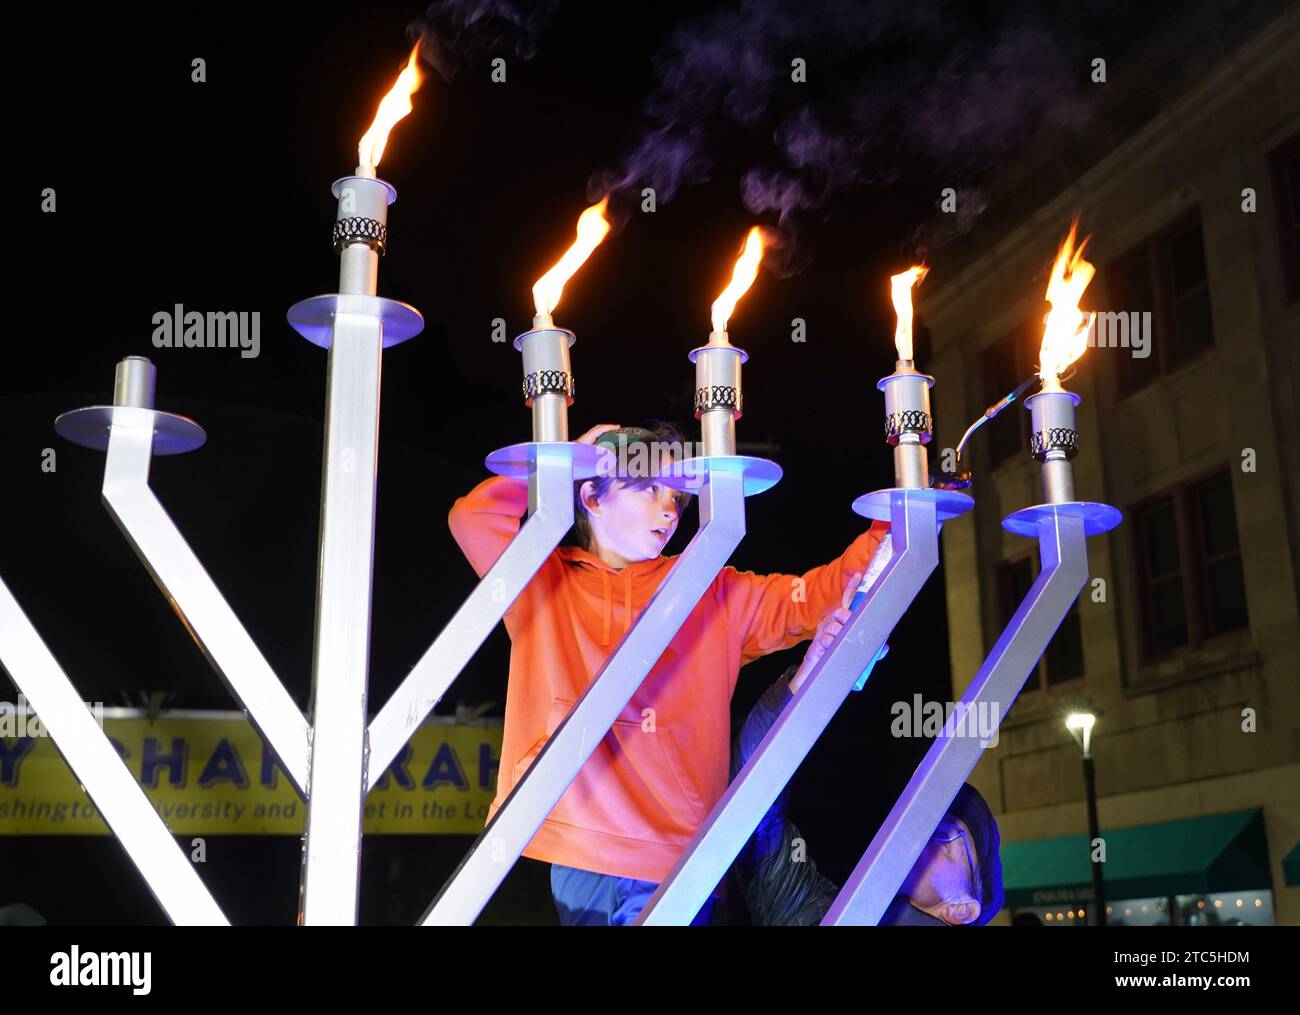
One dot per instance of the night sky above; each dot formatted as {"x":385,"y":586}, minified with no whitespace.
{"x":216,"y":196}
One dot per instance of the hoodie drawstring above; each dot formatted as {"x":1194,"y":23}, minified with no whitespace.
{"x":627,"y":601}
{"x":607,"y":611}
{"x":604,"y":630}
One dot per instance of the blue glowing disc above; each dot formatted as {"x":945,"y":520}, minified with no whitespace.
{"x":1097,"y":518}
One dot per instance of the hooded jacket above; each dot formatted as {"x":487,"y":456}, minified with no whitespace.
{"x":653,"y":779}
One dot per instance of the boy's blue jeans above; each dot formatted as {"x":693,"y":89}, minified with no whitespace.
{"x":587,"y":899}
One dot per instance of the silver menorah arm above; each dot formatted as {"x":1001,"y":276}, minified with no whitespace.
{"x":193,"y":594}
{"x":119,"y":798}
{"x":875,"y":881}
{"x":722,"y":511}
{"x":131,"y":431}
{"x":913,"y":557}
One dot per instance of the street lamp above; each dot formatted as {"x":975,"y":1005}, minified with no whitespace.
{"x":1080,"y":726}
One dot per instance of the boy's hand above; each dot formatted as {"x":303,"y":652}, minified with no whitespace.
{"x":590,"y":436}
{"x":830,"y":626}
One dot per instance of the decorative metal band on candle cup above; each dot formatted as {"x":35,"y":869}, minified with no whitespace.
{"x":372,"y":233}
{"x":360,"y":232}
{"x":1054,"y":441}
{"x":133,"y":382}
{"x":718,"y":396}
{"x":908,"y":425}
{"x":548,"y":380}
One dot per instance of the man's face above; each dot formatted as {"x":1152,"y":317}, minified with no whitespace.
{"x":634,"y":520}
{"x":941,"y":881}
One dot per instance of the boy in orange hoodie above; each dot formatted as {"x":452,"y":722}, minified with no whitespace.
{"x":646,"y":789}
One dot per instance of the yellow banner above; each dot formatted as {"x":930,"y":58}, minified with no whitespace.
{"x":214,"y":776}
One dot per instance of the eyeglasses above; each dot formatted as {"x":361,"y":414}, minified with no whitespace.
{"x":947,"y":832}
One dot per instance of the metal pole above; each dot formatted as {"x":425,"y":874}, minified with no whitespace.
{"x":1094,"y":833}
{"x":120,"y":800}
{"x":340,"y":665}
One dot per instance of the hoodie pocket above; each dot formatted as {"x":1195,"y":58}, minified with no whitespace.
{"x":521,"y":766}
{"x":635,"y":785}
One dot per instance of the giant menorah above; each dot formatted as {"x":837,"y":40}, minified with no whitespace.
{"x":338,"y":753}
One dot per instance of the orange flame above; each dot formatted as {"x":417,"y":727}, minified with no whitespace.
{"x":1066,"y":327}
{"x":742,"y":277}
{"x":901,"y":290}
{"x":592,"y":228}
{"x":392,"y":107}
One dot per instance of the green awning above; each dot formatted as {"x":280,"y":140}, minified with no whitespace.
{"x":1291,"y":865}
{"x":1217,"y":853}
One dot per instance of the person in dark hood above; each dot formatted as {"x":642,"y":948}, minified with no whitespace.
{"x":956,"y":881}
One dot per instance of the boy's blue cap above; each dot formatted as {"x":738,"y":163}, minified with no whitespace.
{"x":618,"y":440}
{"x":624,"y":435}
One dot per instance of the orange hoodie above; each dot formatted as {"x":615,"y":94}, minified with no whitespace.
{"x":655,"y":776}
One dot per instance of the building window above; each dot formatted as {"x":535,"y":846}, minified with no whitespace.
{"x":1063,"y":659}
{"x":1218,"y":558}
{"x":1284,"y":162}
{"x":1166,"y":277}
{"x":1006,"y":363}
{"x":1191,"y":585}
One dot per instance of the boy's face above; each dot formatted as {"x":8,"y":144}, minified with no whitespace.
{"x":634,"y":520}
